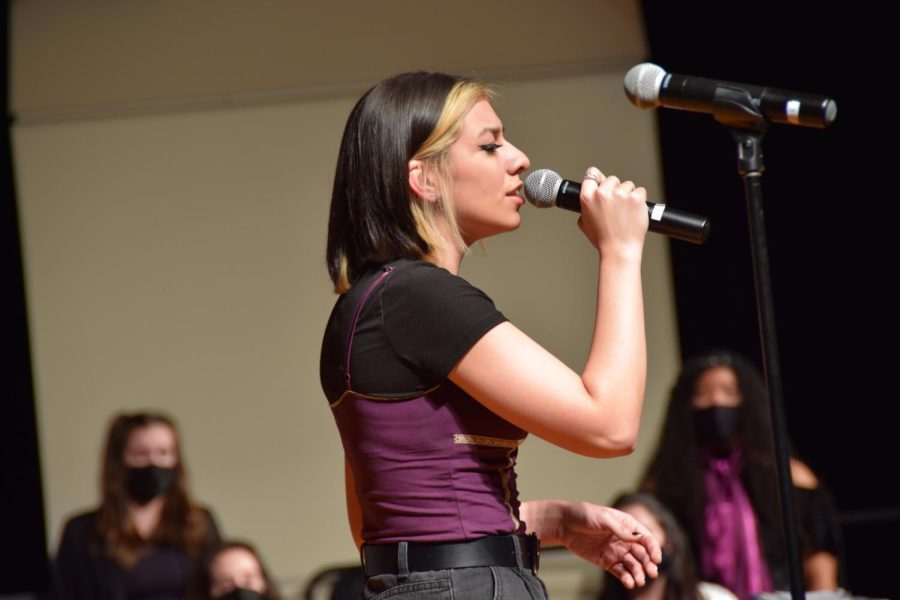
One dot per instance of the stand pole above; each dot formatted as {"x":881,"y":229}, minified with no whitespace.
{"x":735,"y":109}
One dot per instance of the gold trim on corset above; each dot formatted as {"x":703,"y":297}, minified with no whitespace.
{"x":503,"y":472}
{"x":504,"y":481}
{"x":483,"y":440}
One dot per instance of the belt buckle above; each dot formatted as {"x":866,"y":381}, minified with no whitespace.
{"x":535,"y":547}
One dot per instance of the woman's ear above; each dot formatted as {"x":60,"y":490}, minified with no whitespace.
{"x":421,"y":182}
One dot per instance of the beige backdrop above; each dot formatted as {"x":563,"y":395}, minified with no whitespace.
{"x":174,"y":261}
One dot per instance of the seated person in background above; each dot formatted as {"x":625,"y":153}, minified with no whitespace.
{"x":677,"y":578}
{"x":147,"y":539}
{"x":715,"y":469}
{"x":235,"y":571}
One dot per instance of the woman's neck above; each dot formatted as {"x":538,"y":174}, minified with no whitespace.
{"x":447,"y":258}
{"x":146,"y":517}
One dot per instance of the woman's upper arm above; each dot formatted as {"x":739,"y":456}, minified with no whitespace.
{"x":70,"y":568}
{"x":821,"y":571}
{"x":519,"y":380}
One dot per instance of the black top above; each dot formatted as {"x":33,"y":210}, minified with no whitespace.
{"x":413,"y":329}
{"x":82,"y":573}
{"x":818,"y":530}
{"x":164,"y":573}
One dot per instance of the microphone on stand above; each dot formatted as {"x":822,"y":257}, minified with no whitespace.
{"x":647,"y":86}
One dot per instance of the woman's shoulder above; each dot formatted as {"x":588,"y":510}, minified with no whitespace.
{"x":206,"y":512}
{"x":82,"y":518}
{"x":202,"y":513}
{"x":207,"y":518}
{"x":434,"y":295}
{"x":80,"y":524}
{"x":802,"y":475}
{"x":424,"y":279}
{"x":419,"y":270}
{"x":404,"y":275}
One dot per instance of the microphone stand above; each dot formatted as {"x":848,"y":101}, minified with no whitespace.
{"x":734,"y":108}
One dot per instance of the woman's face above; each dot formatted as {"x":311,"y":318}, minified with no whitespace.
{"x":235,"y":568}
{"x":484,"y":170}
{"x":717,"y":386}
{"x":153,"y":445}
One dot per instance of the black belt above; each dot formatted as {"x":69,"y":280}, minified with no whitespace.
{"x":517,"y":550}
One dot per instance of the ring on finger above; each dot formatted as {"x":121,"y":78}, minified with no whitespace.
{"x":590,"y":174}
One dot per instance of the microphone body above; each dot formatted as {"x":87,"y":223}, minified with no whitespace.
{"x":648,"y":86}
{"x":545,"y":188}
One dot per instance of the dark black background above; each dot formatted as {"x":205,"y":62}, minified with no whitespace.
{"x":828,"y":196}
{"x":23,"y":561}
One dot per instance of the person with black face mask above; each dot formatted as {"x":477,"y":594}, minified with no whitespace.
{"x":147,"y":539}
{"x":678,"y":579}
{"x":714,"y":468}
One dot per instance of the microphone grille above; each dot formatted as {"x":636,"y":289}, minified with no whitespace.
{"x":541,"y":187}
{"x":642,"y":84}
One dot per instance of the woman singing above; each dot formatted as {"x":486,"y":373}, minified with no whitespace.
{"x":432,"y":388}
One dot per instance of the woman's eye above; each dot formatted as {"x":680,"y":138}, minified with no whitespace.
{"x":490,"y":147}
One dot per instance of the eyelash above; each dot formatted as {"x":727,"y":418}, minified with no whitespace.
{"x":491,"y":148}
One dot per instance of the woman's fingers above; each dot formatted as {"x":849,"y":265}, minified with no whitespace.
{"x":594,"y":174}
{"x":622,"y":575}
{"x":640,"y":552}
{"x":614,"y":212}
{"x":589,"y":183}
{"x":635,"y":568}
{"x":644,"y":547}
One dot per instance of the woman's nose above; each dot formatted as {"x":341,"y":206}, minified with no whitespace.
{"x":519,"y":162}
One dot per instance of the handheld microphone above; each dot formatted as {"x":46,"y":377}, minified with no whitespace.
{"x":648,"y":86}
{"x":545,"y":188}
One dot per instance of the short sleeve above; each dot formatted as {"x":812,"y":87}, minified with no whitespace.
{"x":432,"y":317}
{"x":818,"y":520}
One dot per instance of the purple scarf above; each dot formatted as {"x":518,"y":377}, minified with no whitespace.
{"x":731,"y":554}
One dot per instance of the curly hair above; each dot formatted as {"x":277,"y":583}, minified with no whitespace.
{"x":675,"y":471}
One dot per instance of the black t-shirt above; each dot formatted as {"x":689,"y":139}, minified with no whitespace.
{"x":415,"y":325}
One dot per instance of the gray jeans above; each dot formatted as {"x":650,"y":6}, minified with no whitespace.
{"x":476,"y":583}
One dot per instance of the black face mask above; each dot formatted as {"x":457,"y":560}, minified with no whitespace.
{"x":146,"y":483}
{"x":716,"y":426}
{"x":663,"y":567}
{"x":242,"y":594}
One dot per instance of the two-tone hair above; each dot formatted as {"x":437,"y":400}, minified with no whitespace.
{"x":375,"y":216}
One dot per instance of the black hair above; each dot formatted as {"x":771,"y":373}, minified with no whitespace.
{"x":675,"y":471}
{"x":371,"y":220}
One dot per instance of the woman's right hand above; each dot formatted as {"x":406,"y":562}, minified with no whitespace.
{"x":598,"y":412}
{"x":609,"y":538}
{"x":613,"y":214}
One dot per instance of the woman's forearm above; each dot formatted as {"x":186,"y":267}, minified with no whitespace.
{"x":616,"y":367}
